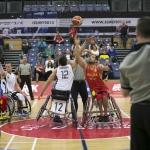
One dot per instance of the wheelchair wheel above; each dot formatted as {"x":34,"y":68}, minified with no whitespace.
{"x":25,"y":107}
{"x":74,"y":114}
{"x":85,"y":112}
{"x":6,"y":115}
{"x":11,"y":104}
{"x":117,"y":109}
{"x":43,"y":107}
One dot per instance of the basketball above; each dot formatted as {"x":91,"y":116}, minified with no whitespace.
{"x":77,"y":21}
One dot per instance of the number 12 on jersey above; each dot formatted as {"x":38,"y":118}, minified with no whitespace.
{"x":58,"y":106}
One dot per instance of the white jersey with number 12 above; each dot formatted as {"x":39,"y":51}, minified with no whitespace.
{"x":65,"y":78}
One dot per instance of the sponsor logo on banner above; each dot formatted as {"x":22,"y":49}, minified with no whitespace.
{"x":114,"y":88}
{"x":64,"y":22}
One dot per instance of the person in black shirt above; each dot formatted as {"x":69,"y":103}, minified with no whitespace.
{"x":124,"y":29}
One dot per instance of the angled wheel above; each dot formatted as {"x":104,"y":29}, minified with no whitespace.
{"x":74,"y":114}
{"x":116,"y":109}
{"x":85,"y":112}
{"x":43,"y":107}
{"x":11,"y":104}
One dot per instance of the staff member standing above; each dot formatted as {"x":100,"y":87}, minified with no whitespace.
{"x":79,"y":84}
{"x":25,"y":75}
{"x":135,"y":81}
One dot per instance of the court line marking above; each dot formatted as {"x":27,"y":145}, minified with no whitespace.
{"x":125,"y":113}
{"x":128,"y":137}
{"x":34,"y":143}
{"x":9,"y":142}
{"x":33,"y":104}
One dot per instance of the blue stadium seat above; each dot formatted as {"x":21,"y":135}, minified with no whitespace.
{"x":51,"y":15}
{"x":59,"y":46}
{"x":49,"y":7}
{"x":29,"y":16}
{"x":42,"y":7}
{"x":33,"y":50}
{"x":27,"y":8}
{"x":66,"y":42}
{"x":32,"y":59}
{"x":38,"y":15}
{"x":105,"y":7}
{"x":35,"y":8}
{"x":33,"y":55}
{"x":116,"y":64}
{"x":116,"y":74}
{"x":74,"y":7}
{"x":66,"y":8}
{"x":82,"y":7}
{"x":90,"y":7}
{"x":58,"y":8}
{"x":97,"y":7}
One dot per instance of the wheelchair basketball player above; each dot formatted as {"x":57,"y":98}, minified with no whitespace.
{"x":65,"y":76}
{"x":9,"y":83}
{"x":93,"y":73}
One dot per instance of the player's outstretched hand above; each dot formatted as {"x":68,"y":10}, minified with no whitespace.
{"x":40,"y":96}
{"x":87,"y":39}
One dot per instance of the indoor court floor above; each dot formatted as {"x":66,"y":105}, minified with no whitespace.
{"x":28,"y":134}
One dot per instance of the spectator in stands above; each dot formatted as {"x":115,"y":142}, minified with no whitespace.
{"x":103,"y":53}
{"x":68,"y":55}
{"x":49,"y":59}
{"x":101,"y":43}
{"x":58,"y":39}
{"x":39,"y":69}
{"x":26,"y":46}
{"x":124,"y":30}
{"x":41,"y":45}
{"x":48,"y":69}
{"x":47,"y":52}
{"x":72,"y":34}
{"x":20,"y":57}
{"x":94,"y":48}
{"x":108,"y":74}
{"x":108,"y":46}
{"x":112,"y":51}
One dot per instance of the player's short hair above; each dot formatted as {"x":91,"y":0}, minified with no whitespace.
{"x":8,"y":63}
{"x":143,"y":27}
{"x":63,"y":60}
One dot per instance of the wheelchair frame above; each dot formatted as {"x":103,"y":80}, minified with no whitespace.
{"x":51,"y":114}
{"x":115,"y":116}
{"x":14,"y":108}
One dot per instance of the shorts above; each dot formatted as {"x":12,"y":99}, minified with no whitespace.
{"x":99,"y":94}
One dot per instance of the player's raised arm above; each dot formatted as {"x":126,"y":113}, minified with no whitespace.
{"x":80,"y":61}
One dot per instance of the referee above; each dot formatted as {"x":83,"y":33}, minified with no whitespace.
{"x":79,"y":84}
{"x":25,"y":75}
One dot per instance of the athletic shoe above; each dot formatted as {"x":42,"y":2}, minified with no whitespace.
{"x":106,"y":119}
{"x":32,"y":98}
{"x":101,"y":119}
{"x":57,"y":119}
{"x":18,"y":112}
{"x":24,"y":112}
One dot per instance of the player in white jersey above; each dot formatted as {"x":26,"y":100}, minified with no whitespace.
{"x":9,"y":82}
{"x":65,"y":76}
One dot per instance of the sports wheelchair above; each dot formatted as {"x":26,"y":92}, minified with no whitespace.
{"x":90,"y":117}
{"x":18,"y":108}
{"x":58,"y":105}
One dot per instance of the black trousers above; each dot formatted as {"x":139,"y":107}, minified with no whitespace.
{"x":28,"y":82}
{"x":79,"y":87}
{"x":140,"y":126}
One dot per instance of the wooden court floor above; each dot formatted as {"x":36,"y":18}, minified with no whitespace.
{"x":17,"y":142}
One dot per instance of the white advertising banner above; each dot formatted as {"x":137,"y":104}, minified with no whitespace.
{"x":28,"y":23}
{"x":87,"y":22}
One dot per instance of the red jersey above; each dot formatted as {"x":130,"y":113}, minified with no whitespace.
{"x":94,"y":79}
{"x":74,"y":32}
{"x":58,"y":38}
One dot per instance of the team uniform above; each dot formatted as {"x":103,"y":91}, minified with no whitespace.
{"x":95,"y":82}
{"x":8,"y":84}
{"x":65,"y":78}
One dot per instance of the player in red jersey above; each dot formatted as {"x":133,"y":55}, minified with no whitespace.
{"x":93,"y":73}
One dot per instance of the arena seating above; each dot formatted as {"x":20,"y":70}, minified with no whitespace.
{"x":72,"y":7}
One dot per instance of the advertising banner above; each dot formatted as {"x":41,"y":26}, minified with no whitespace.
{"x":114,"y":88}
